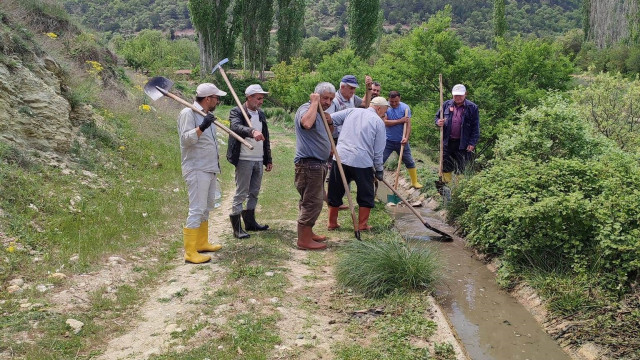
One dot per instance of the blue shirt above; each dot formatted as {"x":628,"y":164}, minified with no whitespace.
{"x":394,"y":133}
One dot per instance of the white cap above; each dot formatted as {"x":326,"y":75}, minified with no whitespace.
{"x":254,"y":89}
{"x":208,"y":89}
{"x":459,"y":90}
{"x":379,"y":101}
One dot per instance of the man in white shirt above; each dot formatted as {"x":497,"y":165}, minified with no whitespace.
{"x":199,"y":154}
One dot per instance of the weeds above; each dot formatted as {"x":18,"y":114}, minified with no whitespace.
{"x":379,"y":267}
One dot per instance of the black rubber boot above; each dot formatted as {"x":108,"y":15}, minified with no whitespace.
{"x":249,"y":217}
{"x":238,"y":232}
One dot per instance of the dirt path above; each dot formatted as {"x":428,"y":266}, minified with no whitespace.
{"x":309,"y":322}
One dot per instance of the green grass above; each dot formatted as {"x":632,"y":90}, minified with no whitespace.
{"x":247,"y":336}
{"x":381,"y":266}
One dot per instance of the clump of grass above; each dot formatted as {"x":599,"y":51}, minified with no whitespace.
{"x":379,"y":267}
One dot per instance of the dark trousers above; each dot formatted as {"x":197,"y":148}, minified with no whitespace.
{"x":309,"y":181}
{"x":363,"y":178}
{"x":454,"y":159}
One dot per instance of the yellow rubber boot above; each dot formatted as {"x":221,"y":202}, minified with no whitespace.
{"x":413,"y":174}
{"x":446,"y":177}
{"x":203,"y":239}
{"x":190,"y":253}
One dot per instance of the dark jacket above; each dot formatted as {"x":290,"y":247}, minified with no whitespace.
{"x":470,"y":132}
{"x":239,"y":126}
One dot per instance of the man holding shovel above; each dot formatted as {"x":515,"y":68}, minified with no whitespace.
{"x":461,"y":124}
{"x":360,"y":151}
{"x":199,"y":153}
{"x":398,"y":126}
{"x":249,"y":163}
{"x":312,"y":151}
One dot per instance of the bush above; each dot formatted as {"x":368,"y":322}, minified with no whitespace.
{"x":379,"y":267}
{"x":557,"y":196}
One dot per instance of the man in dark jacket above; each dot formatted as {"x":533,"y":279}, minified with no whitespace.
{"x":249,"y":163}
{"x":461,"y":131}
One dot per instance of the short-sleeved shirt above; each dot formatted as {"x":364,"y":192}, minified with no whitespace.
{"x":363,"y":137}
{"x":311,"y":143}
{"x":394,"y":133}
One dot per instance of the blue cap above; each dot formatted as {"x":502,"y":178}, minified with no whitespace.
{"x":350,"y":80}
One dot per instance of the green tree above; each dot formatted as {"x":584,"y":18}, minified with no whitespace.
{"x":256,"y":21}
{"x":215,"y":27}
{"x":363,"y":25}
{"x":290,"y":19}
{"x":499,"y":21}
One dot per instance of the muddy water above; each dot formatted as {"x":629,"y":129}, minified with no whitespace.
{"x":491,"y":324}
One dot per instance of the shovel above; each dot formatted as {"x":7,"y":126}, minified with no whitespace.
{"x":344,"y":179}
{"x":159,"y":86}
{"x":439,"y":183}
{"x":444,"y":236}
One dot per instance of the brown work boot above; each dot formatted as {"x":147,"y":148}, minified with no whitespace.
{"x":333,"y":218}
{"x":305,"y":242}
{"x":363,"y":217}
{"x":316,"y":237}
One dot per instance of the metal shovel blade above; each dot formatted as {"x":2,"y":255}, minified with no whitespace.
{"x":222,"y":62}
{"x":151,"y":88}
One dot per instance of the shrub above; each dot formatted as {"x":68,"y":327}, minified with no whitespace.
{"x":557,"y":196}
{"x":379,"y":267}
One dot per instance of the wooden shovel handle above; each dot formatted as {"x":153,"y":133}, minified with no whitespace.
{"x":344,"y":179}
{"x":235,"y":97}
{"x":216,"y":122}
{"x":441,"y":129}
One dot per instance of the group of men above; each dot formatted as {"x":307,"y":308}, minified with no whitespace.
{"x":365,"y":130}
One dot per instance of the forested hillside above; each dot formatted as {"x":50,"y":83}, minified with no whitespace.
{"x":327,"y":18}
{"x":129,"y":16}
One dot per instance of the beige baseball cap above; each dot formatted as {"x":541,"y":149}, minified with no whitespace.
{"x":379,"y":101}
{"x":208,"y":89}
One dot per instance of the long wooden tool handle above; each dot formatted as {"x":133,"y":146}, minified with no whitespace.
{"x":441,"y":129}
{"x":344,"y":179}
{"x":216,"y":122}
{"x":235,"y":97}
{"x":415,"y":212}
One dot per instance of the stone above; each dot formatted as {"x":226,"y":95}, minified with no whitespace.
{"x":13,"y":289}
{"x":75,"y":325}
{"x":269,"y":273}
{"x":57,"y":276}
{"x":16,"y":282}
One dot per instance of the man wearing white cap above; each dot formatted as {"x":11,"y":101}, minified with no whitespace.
{"x":199,"y":153}
{"x":360,"y":154}
{"x":461,"y":131}
{"x":249,"y":163}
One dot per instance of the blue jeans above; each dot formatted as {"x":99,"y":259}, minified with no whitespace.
{"x":392,"y":146}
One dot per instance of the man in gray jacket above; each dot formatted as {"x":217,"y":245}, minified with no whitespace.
{"x":249,"y":163}
{"x":199,"y":154}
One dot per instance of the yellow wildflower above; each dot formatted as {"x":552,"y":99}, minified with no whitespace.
{"x":51,"y":35}
{"x":96,"y":67}
{"x":145,"y":107}
{"x":121,"y":148}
